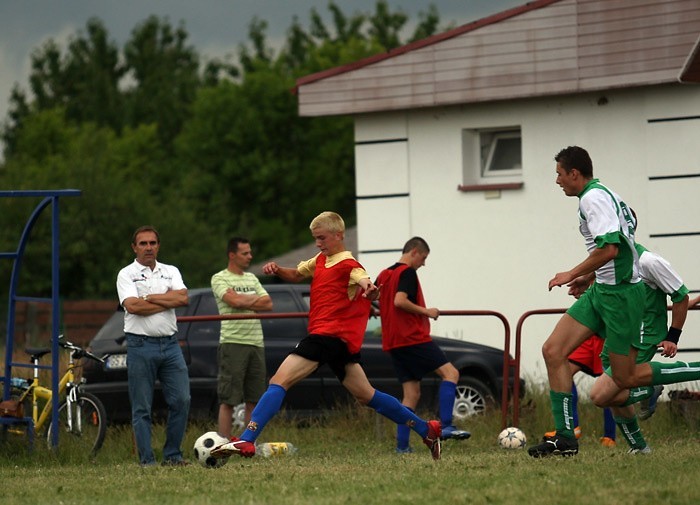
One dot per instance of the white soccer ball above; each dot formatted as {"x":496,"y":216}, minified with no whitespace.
{"x":512,"y":438}
{"x":203,"y":446}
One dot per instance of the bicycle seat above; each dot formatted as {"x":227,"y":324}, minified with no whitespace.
{"x":37,"y":352}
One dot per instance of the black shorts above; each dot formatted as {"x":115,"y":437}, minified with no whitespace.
{"x":414,"y":362}
{"x":330,"y":350}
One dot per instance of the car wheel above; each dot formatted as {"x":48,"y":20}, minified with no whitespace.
{"x":472,"y":397}
{"x":238,"y":424}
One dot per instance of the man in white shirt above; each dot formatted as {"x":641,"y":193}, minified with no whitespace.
{"x":150,"y":291}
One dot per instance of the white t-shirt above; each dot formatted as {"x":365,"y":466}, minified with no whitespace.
{"x":138,"y":280}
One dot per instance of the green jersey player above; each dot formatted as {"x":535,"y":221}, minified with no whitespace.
{"x":661,"y":282}
{"x":612,"y":307}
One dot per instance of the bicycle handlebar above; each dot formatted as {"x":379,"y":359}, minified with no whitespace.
{"x":78,"y":352}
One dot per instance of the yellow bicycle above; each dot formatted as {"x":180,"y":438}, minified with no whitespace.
{"x":81,"y":416}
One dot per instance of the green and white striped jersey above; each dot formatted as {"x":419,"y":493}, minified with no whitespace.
{"x":238,"y":331}
{"x":605,"y":219}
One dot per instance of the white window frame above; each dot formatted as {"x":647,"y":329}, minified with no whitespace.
{"x":478,"y":156}
{"x":487,"y":169}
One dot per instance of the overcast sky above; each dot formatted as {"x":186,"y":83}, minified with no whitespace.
{"x":215,"y":27}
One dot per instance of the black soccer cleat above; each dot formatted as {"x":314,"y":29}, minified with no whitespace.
{"x":554,"y":446}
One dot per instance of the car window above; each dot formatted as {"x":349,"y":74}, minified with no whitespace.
{"x":284,"y":301}
{"x":205,"y":305}
{"x":113,"y":328}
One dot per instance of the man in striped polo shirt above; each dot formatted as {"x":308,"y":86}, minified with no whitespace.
{"x":241,"y":353}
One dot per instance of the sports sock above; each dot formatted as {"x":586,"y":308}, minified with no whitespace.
{"x":267,"y":407}
{"x":561,"y":410}
{"x":403,"y":433}
{"x":671,"y":373}
{"x":391,"y":408}
{"x":629,"y":427}
{"x":447,"y":401}
{"x":638,"y":394}
{"x":608,"y":424}
{"x":574,"y":403}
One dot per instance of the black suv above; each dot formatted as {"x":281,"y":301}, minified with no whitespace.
{"x":480,"y":366}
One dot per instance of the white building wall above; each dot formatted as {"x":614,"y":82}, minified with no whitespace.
{"x":498,"y":250}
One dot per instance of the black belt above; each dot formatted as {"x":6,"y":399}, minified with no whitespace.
{"x":148,"y":337}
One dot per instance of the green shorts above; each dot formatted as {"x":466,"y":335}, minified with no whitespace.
{"x":242,"y":374}
{"x":613,"y":312}
{"x":645,"y":353}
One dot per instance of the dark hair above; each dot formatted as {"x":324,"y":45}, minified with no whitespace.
{"x":575,"y":157}
{"x":233,"y":244}
{"x":141,"y":229}
{"x":416,"y":243}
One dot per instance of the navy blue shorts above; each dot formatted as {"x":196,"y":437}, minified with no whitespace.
{"x":329,"y":350}
{"x":414,"y":362}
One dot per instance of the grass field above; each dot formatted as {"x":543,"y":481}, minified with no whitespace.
{"x":350,"y":459}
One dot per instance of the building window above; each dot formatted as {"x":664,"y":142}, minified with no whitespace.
{"x":500,"y":153}
{"x":492,"y":156}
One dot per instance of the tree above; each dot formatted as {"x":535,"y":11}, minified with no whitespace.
{"x":385,"y":26}
{"x":164,"y":69}
{"x":201,"y":156}
{"x":96,"y":226}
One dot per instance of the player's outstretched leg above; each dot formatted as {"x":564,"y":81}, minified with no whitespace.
{"x":391,"y":408}
{"x":266,"y":408}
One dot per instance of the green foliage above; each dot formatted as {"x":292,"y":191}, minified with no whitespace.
{"x":201,"y":154}
{"x":165,"y":69}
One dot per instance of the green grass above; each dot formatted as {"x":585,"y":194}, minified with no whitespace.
{"x":350,"y":459}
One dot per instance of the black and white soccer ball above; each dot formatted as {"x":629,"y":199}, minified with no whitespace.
{"x":512,"y":438}
{"x":203,"y":446}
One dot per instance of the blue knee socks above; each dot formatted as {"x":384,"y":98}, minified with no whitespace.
{"x":609,"y":425}
{"x":267,"y":407}
{"x":447,"y":401}
{"x":391,"y":408}
{"x":403,"y":433}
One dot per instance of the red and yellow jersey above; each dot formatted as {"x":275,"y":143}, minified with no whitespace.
{"x":334,"y":312}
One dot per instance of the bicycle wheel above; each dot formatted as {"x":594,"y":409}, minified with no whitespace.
{"x":89,"y":426}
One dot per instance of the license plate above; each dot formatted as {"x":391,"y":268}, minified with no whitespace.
{"x":116,"y":361}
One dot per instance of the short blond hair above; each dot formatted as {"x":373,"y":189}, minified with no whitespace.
{"x":329,"y":221}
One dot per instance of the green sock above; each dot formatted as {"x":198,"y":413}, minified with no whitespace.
{"x":671,"y":373}
{"x":629,"y":427}
{"x":638,"y":394}
{"x":562,"y":410}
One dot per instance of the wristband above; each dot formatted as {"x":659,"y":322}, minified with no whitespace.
{"x":674,"y":334}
